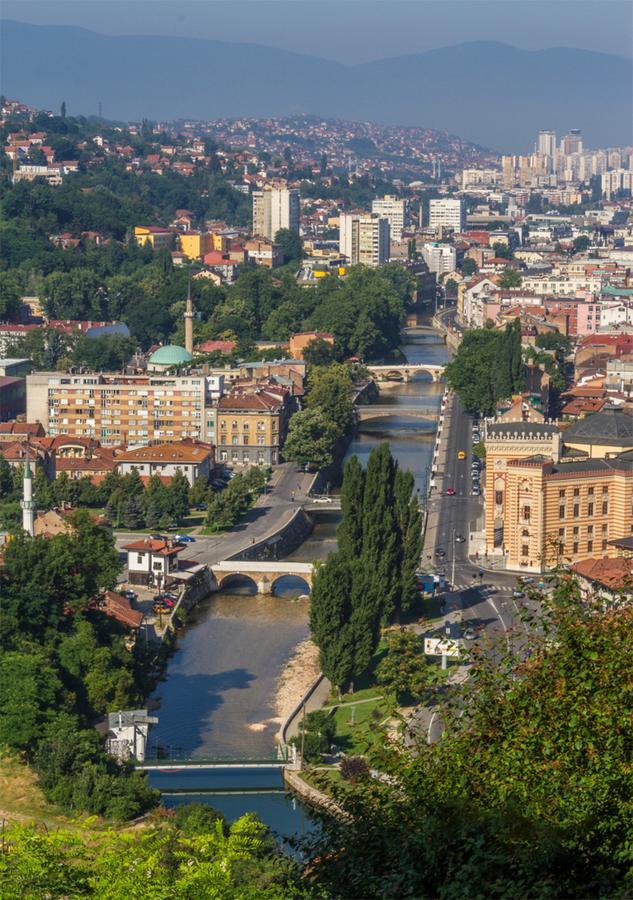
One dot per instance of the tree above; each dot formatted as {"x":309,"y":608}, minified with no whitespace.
{"x":502,"y":251}
{"x":319,"y":352}
{"x":530,"y":785}
{"x":133,"y":512}
{"x":330,"y":390}
{"x":30,"y":692}
{"x":290,"y":243}
{"x":510,"y":278}
{"x":179,"y":496}
{"x":311,"y":438}
{"x":469,"y":267}
{"x":380,"y":530}
{"x":330,"y":619}
{"x":410,"y":534}
{"x":349,"y":534}
{"x":404,"y":670}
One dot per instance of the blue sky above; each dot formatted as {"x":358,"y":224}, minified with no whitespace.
{"x":352,"y":30}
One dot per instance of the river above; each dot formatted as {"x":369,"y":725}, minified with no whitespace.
{"x":216,"y":701}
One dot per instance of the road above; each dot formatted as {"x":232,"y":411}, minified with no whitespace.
{"x":485,"y":600}
{"x":288,"y":489}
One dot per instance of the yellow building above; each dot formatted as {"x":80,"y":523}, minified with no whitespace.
{"x":194,"y":244}
{"x":153,"y":235}
{"x":251,"y":426}
{"x":549,"y":501}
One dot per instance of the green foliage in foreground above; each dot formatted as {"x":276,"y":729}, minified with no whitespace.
{"x":529,"y":793}
{"x":175,"y":859}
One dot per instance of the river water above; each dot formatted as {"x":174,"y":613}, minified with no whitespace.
{"x":216,"y":701}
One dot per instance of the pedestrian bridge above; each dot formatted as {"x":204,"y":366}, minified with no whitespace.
{"x":405,"y":371}
{"x":264,"y":575}
{"x":376,"y":411}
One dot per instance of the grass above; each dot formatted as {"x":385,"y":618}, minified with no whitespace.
{"x":21,"y":799}
{"x":357,"y":736}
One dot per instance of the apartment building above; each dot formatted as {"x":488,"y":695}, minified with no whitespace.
{"x":440,"y":258}
{"x":393,"y":209}
{"x":115,"y":409}
{"x":153,"y":235}
{"x":555,"y":496}
{"x":194,"y":459}
{"x":252,"y":425}
{"x":447,"y":214}
{"x":364,"y":239}
{"x":275,"y":207}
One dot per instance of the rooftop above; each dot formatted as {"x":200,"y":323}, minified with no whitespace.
{"x":611,"y":573}
{"x":606,"y":427}
{"x":170,"y":355}
{"x":169,"y":452}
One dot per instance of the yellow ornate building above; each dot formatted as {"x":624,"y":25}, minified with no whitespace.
{"x":554,"y":496}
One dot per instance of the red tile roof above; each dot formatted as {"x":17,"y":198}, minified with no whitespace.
{"x":158,"y":548}
{"x":612,"y":573}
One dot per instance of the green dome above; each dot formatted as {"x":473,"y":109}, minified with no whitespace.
{"x":170,"y":355}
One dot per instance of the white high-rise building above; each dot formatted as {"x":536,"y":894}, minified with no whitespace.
{"x":440,"y":258}
{"x":394,"y":210}
{"x":547,"y":149}
{"x":364,"y":239}
{"x":447,"y":214}
{"x":274,"y":208}
{"x":616,"y":182}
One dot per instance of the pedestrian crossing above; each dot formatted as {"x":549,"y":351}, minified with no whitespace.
{"x":469,"y":585}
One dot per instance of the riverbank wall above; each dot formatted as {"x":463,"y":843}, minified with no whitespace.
{"x":279,"y":543}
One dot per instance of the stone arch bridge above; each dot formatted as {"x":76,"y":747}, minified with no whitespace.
{"x":405,"y":371}
{"x":262,"y":574}
{"x":376,"y":411}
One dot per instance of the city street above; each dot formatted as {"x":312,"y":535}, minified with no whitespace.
{"x":287,"y":490}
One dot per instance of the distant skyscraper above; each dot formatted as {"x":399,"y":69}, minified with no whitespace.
{"x":547,"y":143}
{"x":447,"y":214}
{"x":364,"y":239}
{"x":392,"y":209}
{"x":274,"y":208}
{"x":571,"y":142}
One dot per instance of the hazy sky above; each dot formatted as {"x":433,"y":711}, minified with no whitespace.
{"x":351,"y":30}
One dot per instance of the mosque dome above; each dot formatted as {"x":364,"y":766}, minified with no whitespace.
{"x":170,"y":355}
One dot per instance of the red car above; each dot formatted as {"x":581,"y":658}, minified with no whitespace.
{"x":450,"y":492}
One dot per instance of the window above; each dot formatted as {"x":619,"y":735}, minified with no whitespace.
{"x":589,"y":529}
{"x":260,"y":440}
{"x":576,"y":531}
{"x":605,"y":528}
{"x":561,"y":493}
{"x":575,"y":547}
{"x":604,"y":545}
{"x":605,"y":508}
{"x":576,"y":510}
{"x":525,"y":550}
{"x":525,"y":514}
{"x":605,"y":488}
{"x":589,"y":546}
{"x":525,"y":533}
{"x":590,"y":492}
{"x":561,"y":512}
{"x":499,"y":498}
{"x":561,"y":532}
{"x":590,"y":509}
{"x":245,"y":426}
{"x":139,"y":557}
{"x":576,"y":492}
{"x":245,"y":439}
{"x":233,"y":424}
{"x":234,"y":440}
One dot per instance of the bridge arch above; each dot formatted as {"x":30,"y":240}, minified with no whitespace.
{"x":296,"y":584}
{"x":238,"y":580}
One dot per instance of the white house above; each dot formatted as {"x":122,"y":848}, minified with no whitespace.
{"x":127,"y":734}
{"x":152,"y":562}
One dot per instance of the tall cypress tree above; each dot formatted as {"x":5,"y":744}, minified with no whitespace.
{"x":516,"y":358}
{"x":380,"y":533}
{"x":409,"y":537}
{"x":367,"y":606}
{"x":330,"y":619}
{"x":350,"y":532}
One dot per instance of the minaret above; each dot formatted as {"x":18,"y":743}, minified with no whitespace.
{"x":189,"y":322}
{"x":27,"y":503}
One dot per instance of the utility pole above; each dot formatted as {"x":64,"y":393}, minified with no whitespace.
{"x":453,"y":568}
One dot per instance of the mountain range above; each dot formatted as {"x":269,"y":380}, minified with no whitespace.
{"x":491,"y":93}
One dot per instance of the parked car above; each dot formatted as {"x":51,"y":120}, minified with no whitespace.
{"x":157,"y":537}
{"x":450,"y":492}
{"x":160,"y":609}
{"x":129,"y":595}
{"x":461,"y":455}
{"x":518,"y":595}
{"x":184,"y":539}
{"x":322,"y":500}
{"x":440,"y":552}
{"x":470,"y":634}
{"x":166,"y":601}
{"x":459,"y":538}
{"x":476,"y":491}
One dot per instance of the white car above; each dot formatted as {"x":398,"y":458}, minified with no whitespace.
{"x":322,"y":500}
